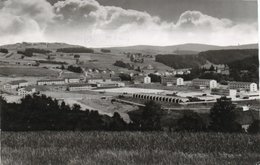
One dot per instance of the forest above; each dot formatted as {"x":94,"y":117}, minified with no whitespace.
{"x":39,"y":112}
{"x":75,"y":50}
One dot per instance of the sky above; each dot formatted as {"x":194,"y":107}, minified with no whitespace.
{"x":106,"y":23}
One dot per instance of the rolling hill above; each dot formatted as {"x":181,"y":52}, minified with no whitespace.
{"x":213,"y":56}
{"x":190,"y":48}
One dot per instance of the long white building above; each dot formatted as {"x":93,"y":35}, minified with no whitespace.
{"x":205,"y":83}
{"x":51,"y":82}
{"x":249,"y":86}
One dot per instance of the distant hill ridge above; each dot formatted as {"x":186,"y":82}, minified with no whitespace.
{"x":189,"y":48}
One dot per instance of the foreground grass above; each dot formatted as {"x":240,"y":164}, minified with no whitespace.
{"x":128,"y":148}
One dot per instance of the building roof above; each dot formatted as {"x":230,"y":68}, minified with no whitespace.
{"x":79,"y":85}
{"x":50,"y":80}
{"x":238,"y":82}
{"x":203,"y":79}
{"x":17,"y":82}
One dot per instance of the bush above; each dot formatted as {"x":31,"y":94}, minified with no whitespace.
{"x":254,"y":128}
{"x":222,"y":116}
{"x":2,"y":50}
{"x":44,"y":113}
{"x":105,"y":51}
{"x":75,"y":69}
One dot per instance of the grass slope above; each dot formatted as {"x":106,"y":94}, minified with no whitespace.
{"x":129,"y":148}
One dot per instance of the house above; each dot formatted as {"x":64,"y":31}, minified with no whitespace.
{"x":51,"y":82}
{"x":249,"y":86}
{"x":26,"y":91}
{"x":16,"y":84}
{"x":207,"y":83}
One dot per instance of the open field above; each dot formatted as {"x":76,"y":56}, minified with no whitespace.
{"x":129,"y":148}
{"x":26,"y":71}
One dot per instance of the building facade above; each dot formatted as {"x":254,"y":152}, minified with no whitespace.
{"x":147,"y":80}
{"x":79,"y":87}
{"x":161,"y":98}
{"x":205,"y":83}
{"x":249,"y":86}
{"x":110,"y":84}
{"x":51,"y":82}
{"x":166,"y":80}
{"x":224,"y":92}
{"x":26,"y":91}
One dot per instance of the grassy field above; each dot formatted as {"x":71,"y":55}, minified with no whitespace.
{"x":129,"y":148}
{"x":26,"y":71}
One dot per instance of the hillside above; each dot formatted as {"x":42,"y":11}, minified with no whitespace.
{"x":183,"y":61}
{"x":174,"y":49}
{"x":213,"y":56}
{"x":38,"y":45}
{"x":227,"y":56}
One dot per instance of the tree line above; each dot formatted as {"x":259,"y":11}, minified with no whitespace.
{"x":2,"y":50}
{"x":29,"y":51}
{"x":39,"y":112}
{"x":75,"y":50}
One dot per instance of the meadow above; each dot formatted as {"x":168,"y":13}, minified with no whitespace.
{"x":26,"y":71}
{"x":129,"y":148}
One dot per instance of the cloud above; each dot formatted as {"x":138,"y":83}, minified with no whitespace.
{"x":89,"y":23}
{"x":24,"y":20}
